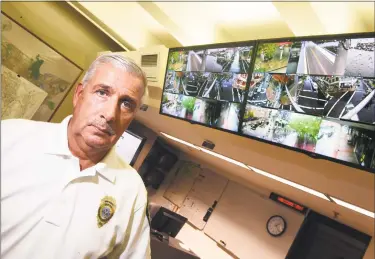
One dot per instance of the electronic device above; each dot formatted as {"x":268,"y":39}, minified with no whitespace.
{"x":323,"y":237}
{"x":276,"y":226}
{"x":208,"y":144}
{"x":288,"y":203}
{"x":206,"y":84}
{"x":129,"y":146}
{"x":157,"y":164}
{"x":314,"y":94}
{"x":168,"y":222}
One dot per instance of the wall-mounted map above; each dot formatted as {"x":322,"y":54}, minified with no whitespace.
{"x":32,"y":60}
{"x":19,"y":97}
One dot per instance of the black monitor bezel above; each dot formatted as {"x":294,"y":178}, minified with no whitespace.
{"x":164,"y":212}
{"x":255,"y":43}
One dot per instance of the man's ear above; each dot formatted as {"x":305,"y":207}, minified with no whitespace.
{"x":77,"y":93}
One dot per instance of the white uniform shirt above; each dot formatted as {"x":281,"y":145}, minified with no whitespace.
{"x":49,"y":208}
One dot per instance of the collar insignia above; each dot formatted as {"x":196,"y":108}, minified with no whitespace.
{"x":106,"y":210}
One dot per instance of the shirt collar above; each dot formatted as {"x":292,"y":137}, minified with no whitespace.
{"x":58,"y":145}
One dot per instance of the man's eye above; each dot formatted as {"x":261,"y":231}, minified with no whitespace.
{"x":101,"y":92}
{"x":127,"y":104}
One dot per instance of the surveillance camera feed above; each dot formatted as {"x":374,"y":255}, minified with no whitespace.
{"x":344,"y":57}
{"x":272,"y":57}
{"x":317,"y":96}
{"x":207,"y":86}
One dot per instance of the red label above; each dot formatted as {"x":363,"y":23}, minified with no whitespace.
{"x":290,"y":204}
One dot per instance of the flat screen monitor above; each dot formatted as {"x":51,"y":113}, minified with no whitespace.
{"x":168,"y":222}
{"x":207,"y":85}
{"x":316,"y":96}
{"x":129,"y":146}
{"x":312,"y":94}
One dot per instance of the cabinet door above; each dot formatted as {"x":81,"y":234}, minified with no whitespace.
{"x":182,"y":183}
{"x":239,"y":223}
{"x":207,"y":188}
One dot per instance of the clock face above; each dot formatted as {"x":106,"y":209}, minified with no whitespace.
{"x":276,"y":226}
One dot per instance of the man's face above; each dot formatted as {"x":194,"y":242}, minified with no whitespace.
{"x":105,"y":106}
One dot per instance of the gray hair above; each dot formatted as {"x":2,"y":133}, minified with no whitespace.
{"x":118,"y":61}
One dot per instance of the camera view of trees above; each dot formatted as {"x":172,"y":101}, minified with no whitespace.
{"x":175,"y":82}
{"x":178,"y":105}
{"x":177,"y":60}
{"x":272,"y":57}
{"x":287,"y":128}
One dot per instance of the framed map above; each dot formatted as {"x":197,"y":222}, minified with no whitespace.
{"x":35,"y":78}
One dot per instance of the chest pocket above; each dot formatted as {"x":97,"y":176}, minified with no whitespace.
{"x":99,"y":218}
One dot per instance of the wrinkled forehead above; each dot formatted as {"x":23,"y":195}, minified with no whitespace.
{"x":117,"y":77}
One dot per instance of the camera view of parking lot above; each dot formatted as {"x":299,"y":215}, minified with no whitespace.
{"x":346,"y":57}
{"x":348,"y":143}
{"x":301,"y":94}
{"x":348,"y":98}
{"x":236,"y":60}
{"x":293,"y":58}
{"x":272,"y":57}
{"x":217,"y":86}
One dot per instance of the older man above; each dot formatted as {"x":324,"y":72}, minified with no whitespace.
{"x":64,"y":192}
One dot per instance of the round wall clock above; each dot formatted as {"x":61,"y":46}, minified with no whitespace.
{"x":276,"y":226}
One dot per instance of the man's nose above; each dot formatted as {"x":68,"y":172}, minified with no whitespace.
{"x":111,"y":110}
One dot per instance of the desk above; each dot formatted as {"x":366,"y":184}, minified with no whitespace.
{"x":170,"y":250}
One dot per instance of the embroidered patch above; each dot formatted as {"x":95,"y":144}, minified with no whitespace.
{"x":106,"y":210}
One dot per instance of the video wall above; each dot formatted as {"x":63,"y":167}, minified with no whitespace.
{"x":311,"y":95}
{"x":207,"y":85}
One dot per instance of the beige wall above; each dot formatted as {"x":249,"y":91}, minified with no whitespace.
{"x":60,"y":26}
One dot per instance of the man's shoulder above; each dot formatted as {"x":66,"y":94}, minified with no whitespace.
{"x":23,"y":125}
{"x":15,"y":131}
{"x":129,"y":171}
{"x":128,"y":175}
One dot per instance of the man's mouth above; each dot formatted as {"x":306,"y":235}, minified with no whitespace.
{"x":105,"y":130}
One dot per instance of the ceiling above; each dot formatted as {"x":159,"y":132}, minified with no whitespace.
{"x":173,"y":24}
{"x":141,"y":24}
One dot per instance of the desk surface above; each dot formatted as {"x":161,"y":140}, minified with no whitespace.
{"x":170,"y":250}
